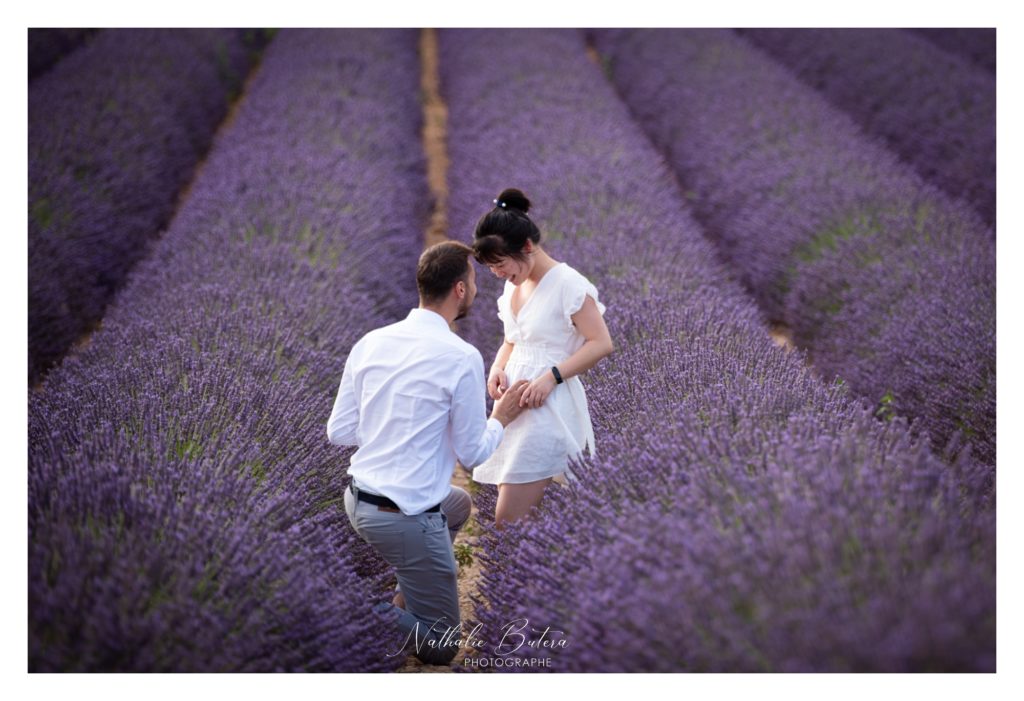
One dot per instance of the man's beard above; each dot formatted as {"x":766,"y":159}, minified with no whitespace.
{"x":463,"y":311}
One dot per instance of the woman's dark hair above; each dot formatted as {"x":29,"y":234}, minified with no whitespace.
{"x":504,"y":231}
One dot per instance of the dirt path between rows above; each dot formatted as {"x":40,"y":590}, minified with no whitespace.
{"x":782,"y":335}
{"x":434,"y":145}
{"x":435,"y":114}
{"x":435,"y":124}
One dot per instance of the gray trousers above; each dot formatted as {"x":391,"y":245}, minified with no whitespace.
{"x":420,"y":549}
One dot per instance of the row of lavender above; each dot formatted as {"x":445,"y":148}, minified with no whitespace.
{"x":185,"y":510}
{"x":976,"y":45}
{"x":885,"y":280}
{"x":740,"y":513}
{"x":48,"y":46}
{"x":115,"y":131}
{"x":936,"y":109}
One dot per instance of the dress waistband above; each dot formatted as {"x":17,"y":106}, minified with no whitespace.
{"x":534,"y":355}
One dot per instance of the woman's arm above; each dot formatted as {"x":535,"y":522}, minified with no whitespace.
{"x":591,"y":326}
{"x":497,"y":381}
{"x":598,"y":344}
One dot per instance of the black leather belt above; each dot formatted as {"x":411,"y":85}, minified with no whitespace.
{"x":377,"y":500}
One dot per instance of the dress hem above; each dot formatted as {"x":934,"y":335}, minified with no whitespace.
{"x":566,"y":475}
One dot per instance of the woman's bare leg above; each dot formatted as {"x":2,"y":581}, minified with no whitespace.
{"x":516,"y":500}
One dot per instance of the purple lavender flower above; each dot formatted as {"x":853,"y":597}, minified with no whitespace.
{"x":185,"y":509}
{"x":115,"y":131}
{"x":978,"y":45}
{"x":935,"y":109}
{"x":47,"y":46}
{"x":832,"y":234}
{"x":740,"y":513}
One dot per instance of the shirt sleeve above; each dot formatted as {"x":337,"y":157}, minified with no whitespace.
{"x":474,"y":436}
{"x":344,"y":421}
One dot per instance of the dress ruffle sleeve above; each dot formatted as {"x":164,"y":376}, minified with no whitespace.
{"x":574,"y":292}
{"x":509,"y":326}
{"x":502,"y":313}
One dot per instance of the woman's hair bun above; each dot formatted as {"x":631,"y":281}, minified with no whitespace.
{"x":515,"y":199}
{"x":502,"y":232}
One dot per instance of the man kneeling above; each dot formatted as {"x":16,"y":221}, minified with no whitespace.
{"x":412,"y":398}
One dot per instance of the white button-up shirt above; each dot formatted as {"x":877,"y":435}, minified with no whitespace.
{"x":412,"y":397}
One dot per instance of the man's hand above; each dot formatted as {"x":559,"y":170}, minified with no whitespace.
{"x":507,"y":408}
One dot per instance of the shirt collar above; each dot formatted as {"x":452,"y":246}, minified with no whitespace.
{"x":429,"y":317}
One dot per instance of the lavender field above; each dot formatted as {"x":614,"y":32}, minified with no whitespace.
{"x":886,"y":280}
{"x":748,"y":508}
{"x":115,"y":131}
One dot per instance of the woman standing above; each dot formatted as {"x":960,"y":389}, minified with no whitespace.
{"x":554,"y":331}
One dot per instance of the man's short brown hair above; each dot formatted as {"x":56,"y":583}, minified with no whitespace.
{"x":440,"y":267}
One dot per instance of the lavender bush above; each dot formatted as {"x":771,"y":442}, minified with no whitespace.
{"x":979,"y":45}
{"x":185,"y":509}
{"x":935,"y":109}
{"x":47,"y":46}
{"x":740,"y":513}
{"x":885,"y":280}
{"x":115,"y":131}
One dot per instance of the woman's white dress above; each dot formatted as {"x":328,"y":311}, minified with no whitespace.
{"x":539,"y":442}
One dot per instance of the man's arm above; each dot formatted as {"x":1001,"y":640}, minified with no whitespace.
{"x":475,"y":437}
{"x":344,"y":421}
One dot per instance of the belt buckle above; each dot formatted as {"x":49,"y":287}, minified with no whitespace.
{"x":389,"y":509}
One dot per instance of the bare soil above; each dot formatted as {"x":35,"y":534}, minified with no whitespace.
{"x":782,"y":335}
{"x":435,"y":114}
{"x":435,"y":120}
{"x":434,"y":145}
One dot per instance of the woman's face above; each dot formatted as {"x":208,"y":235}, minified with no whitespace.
{"x":508,"y":268}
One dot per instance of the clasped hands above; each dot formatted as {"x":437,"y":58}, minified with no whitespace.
{"x":533,"y":395}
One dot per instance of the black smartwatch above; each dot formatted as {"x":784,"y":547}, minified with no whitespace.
{"x":558,"y":375}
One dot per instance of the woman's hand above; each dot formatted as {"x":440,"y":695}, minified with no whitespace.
{"x":497,"y":383}
{"x":538,"y":391}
